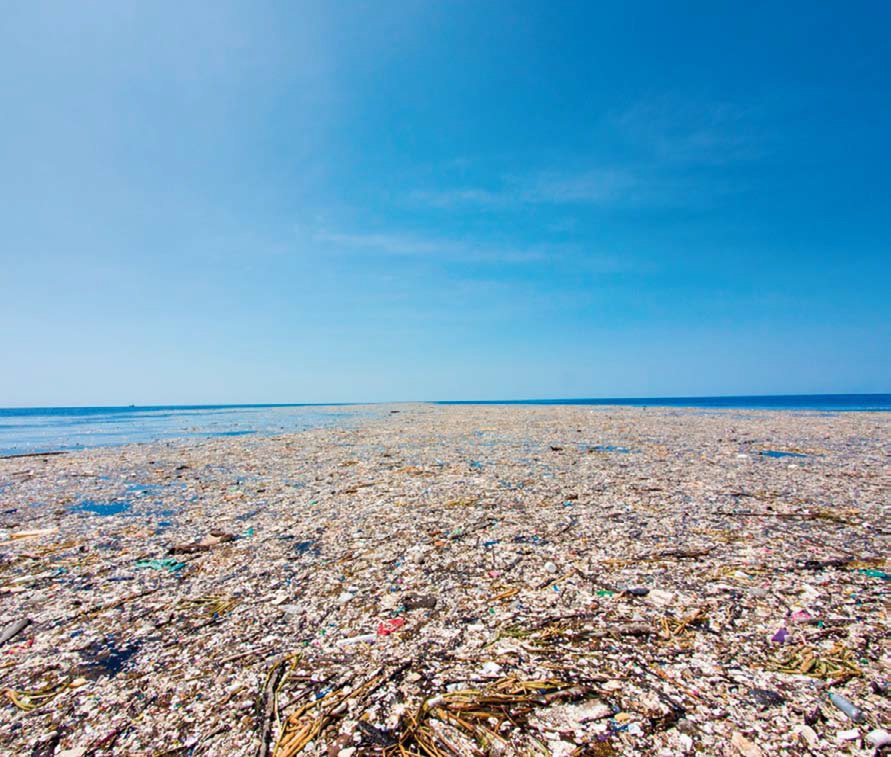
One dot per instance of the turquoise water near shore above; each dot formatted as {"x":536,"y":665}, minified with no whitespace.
{"x":36,"y":430}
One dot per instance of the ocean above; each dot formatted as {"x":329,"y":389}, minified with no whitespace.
{"x":56,"y":429}
{"x":833,"y":403}
{"x":52,"y":429}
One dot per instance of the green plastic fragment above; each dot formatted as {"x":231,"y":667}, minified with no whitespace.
{"x":248,"y":532}
{"x":873,"y":573}
{"x":604,"y":593}
{"x":165,"y":563}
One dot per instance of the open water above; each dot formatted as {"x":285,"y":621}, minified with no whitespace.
{"x":30,"y":430}
{"x":45,"y":429}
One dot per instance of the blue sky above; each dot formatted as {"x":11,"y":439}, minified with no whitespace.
{"x":343,"y":201}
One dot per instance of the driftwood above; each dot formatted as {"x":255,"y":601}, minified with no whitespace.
{"x":13,"y":629}
{"x":266,"y":704}
{"x":31,"y":454}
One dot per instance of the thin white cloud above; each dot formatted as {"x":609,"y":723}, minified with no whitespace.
{"x":432,"y":247}
{"x":679,"y":130}
{"x":594,"y":187}
{"x":451,"y":198}
{"x":449,"y":250}
{"x":675,"y":147}
{"x":608,"y":188}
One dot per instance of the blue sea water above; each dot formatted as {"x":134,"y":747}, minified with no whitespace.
{"x":608,"y":448}
{"x":33,"y":430}
{"x":831,"y":403}
{"x":30,"y":430}
{"x":101,"y":508}
{"x":780,"y":453}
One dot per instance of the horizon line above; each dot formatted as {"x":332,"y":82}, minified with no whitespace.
{"x":523,"y":400}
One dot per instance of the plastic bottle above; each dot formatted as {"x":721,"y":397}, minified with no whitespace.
{"x":847,"y":707}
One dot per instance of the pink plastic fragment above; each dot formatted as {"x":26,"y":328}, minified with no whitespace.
{"x":386,"y":627}
{"x":801,"y":616}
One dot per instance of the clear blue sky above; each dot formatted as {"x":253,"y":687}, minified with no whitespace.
{"x":344,"y":201}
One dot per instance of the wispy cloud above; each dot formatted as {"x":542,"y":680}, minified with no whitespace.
{"x":450,"y":198}
{"x":593,"y":187}
{"x":679,"y":130}
{"x":597,"y":187}
{"x":673,"y":152}
{"x":432,"y":247}
{"x":463,"y":251}
{"x":614,"y":188}
{"x":608,"y":188}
